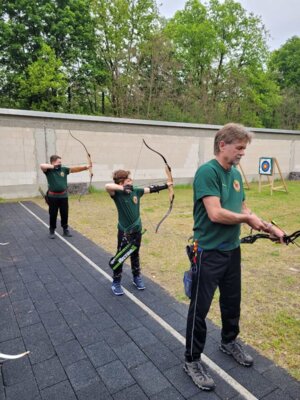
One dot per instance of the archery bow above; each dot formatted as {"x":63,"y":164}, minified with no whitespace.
{"x":170,"y":188}
{"x":89,"y":161}
{"x":287,"y":239}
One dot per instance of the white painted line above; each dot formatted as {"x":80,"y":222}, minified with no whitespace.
{"x":212,"y":365}
{"x":4,"y":244}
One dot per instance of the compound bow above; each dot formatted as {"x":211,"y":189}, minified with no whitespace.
{"x":287,"y":239}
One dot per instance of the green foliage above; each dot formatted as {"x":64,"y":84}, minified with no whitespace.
{"x":284,"y":64}
{"x":207,"y":64}
{"x":45,"y":83}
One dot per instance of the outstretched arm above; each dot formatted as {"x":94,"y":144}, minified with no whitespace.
{"x":157,"y":188}
{"x":81,"y":168}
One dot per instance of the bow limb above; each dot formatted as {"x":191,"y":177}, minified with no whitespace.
{"x":170,"y":187}
{"x":13,"y":357}
{"x":89,"y":159}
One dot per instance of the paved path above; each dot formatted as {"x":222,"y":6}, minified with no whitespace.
{"x":84,"y":342}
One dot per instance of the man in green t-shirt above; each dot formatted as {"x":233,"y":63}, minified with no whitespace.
{"x":219,"y":209}
{"x":127,"y":200}
{"x":57,"y":194}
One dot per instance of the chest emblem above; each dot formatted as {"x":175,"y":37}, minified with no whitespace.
{"x":62,"y":174}
{"x":236,"y":185}
{"x":135,"y":199}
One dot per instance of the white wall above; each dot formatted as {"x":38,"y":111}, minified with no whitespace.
{"x":29,"y":138}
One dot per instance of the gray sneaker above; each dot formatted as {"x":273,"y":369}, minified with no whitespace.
{"x":201,"y":378}
{"x":236,"y":350}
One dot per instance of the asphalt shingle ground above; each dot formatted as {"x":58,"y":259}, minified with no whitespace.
{"x":86,"y":343}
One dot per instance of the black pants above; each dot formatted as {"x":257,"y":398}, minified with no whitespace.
{"x":61,"y":204}
{"x":123,"y":239}
{"x":214,"y":269}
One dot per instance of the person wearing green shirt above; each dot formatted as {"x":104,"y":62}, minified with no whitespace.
{"x":219,"y":209}
{"x":57,"y":194}
{"x":127,"y":200}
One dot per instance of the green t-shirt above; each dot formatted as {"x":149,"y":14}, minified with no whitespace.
{"x":57,"y":181}
{"x":212,"y":179}
{"x":128,"y":206}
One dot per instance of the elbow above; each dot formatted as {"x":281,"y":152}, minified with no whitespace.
{"x":214,"y":217}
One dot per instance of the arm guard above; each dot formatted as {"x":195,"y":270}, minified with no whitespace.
{"x":157,"y":188}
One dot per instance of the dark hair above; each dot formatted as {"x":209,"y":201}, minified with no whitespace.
{"x":54,"y":158}
{"x":231,"y":133}
{"x":120,"y":175}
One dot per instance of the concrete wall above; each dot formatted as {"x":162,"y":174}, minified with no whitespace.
{"x":28,"y":138}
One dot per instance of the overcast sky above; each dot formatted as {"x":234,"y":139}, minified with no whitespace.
{"x":280,"y":17}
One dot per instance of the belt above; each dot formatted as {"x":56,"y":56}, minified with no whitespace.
{"x":49,"y":192}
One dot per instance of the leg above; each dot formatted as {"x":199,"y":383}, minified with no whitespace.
{"x":53,"y":210}
{"x":117,"y":273}
{"x":230,"y":297}
{"x":64,"y":212}
{"x":136,"y":239}
{"x":209,"y":271}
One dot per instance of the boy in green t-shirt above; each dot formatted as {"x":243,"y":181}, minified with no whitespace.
{"x":127,"y":200}
{"x":57,"y":194}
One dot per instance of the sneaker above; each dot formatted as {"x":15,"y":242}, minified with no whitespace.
{"x":51,"y":234}
{"x":67,"y":233}
{"x":138,"y":282}
{"x":201,"y":378}
{"x":236,"y":350}
{"x":117,"y":288}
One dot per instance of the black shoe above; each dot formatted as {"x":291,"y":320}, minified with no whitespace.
{"x":236,"y":350}
{"x":51,"y":234}
{"x":201,"y":378}
{"x":67,"y":233}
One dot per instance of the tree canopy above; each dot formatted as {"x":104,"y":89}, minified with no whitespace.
{"x":209,"y":63}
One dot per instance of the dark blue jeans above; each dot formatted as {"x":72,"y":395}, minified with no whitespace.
{"x":221,"y":269}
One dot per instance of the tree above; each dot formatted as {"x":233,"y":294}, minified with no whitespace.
{"x":217,"y":44}
{"x":66,"y":26}
{"x":44,"y":87}
{"x":122,"y":26}
{"x":284,"y":65}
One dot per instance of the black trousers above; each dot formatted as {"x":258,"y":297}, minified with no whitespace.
{"x":123,"y":240}
{"x":61,"y":204}
{"x":214,"y":269}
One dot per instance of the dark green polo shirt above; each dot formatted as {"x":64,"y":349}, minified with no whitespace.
{"x":212,"y":179}
{"x":128,"y":206}
{"x":57,"y":181}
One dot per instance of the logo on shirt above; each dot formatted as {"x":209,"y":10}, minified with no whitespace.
{"x":62,"y":174}
{"x":236,"y":185}
{"x":135,"y":199}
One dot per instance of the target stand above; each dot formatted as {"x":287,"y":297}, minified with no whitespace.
{"x":267,"y":168}
{"x":246,"y":182}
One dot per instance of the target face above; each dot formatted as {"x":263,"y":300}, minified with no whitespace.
{"x":265,"y":166}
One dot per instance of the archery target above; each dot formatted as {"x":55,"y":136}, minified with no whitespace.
{"x":265,"y":166}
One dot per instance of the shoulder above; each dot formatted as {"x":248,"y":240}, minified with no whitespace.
{"x":206,"y":170}
{"x":65,"y":169}
{"x":138,"y":191}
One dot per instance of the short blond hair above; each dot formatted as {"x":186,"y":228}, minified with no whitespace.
{"x":231,"y":133}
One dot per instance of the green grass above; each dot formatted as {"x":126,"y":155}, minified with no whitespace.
{"x":271,"y":273}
